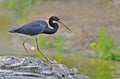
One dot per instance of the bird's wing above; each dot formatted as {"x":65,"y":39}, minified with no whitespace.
{"x":32,"y":28}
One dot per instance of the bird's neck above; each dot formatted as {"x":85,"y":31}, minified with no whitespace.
{"x":52,"y":30}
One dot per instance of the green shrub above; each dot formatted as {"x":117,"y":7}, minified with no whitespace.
{"x":59,"y":43}
{"x":44,"y":43}
{"x":106,"y":47}
{"x":103,"y":70}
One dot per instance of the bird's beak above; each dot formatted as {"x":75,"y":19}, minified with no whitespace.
{"x":64,"y":25}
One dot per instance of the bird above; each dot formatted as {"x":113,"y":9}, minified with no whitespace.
{"x":36,"y":27}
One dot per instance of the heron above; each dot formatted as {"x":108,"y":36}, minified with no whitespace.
{"x":36,"y":27}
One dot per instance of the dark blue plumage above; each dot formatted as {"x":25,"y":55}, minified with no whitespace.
{"x":33,"y":28}
{"x":38,"y":27}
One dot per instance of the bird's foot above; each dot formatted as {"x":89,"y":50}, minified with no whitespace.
{"x":49,"y":62}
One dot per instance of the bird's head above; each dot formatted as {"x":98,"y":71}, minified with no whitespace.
{"x":55,"y":18}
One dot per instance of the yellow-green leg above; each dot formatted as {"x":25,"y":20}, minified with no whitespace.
{"x":41,"y":52}
{"x":23,"y":44}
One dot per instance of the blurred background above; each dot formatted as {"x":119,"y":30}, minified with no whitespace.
{"x":93,"y":46}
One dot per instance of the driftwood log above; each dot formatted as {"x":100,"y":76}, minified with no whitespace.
{"x":12,"y":67}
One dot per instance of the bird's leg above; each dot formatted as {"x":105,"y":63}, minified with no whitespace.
{"x":23,"y":44}
{"x":41,"y":52}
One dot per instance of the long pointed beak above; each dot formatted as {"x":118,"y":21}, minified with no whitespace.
{"x":64,"y":25}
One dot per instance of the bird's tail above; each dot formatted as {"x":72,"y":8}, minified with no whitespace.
{"x":13,"y":30}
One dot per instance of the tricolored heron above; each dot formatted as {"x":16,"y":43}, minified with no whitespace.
{"x":38,"y":27}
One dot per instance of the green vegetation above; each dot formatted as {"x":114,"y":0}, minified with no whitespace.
{"x":59,"y":43}
{"x":59,"y":57}
{"x":19,"y":9}
{"x":95,"y":68}
{"x":18,"y":6}
{"x":44,"y":43}
{"x":103,"y":70}
{"x":106,"y":47}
